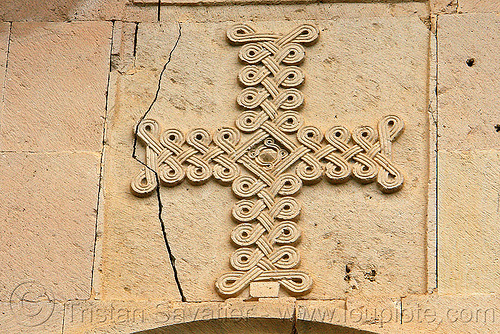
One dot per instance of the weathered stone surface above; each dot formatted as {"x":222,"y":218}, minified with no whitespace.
{"x":132,"y":231}
{"x":468,"y":84}
{"x":469,"y":197}
{"x":450,"y":314}
{"x":34,"y":10}
{"x":4,"y":45}
{"x":91,"y":10}
{"x":121,"y":10}
{"x":356,"y":315}
{"x":33,"y":316}
{"x":99,"y":10}
{"x":353,"y":79}
{"x":479,"y":6}
{"x":135,"y":264}
{"x":122,"y":53}
{"x":381,"y":241}
{"x":264,"y":289}
{"x":48,"y":211}
{"x":270,"y":316}
{"x":56,"y":87}
{"x":443,"y":6}
{"x":413,"y":314}
{"x":420,"y":260}
{"x":291,"y":12}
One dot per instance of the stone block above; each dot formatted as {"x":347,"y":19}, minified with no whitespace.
{"x":135,"y":261}
{"x":443,"y":6}
{"x":264,"y":289}
{"x":56,"y":86}
{"x":48,"y":212}
{"x":468,"y":84}
{"x":354,"y":315}
{"x":442,"y":314}
{"x":33,"y":10}
{"x":468,"y":206}
{"x":150,"y":317}
{"x":363,"y":242}
{"x":35,"y":314}
{"x":76,"y":10}
{"x":479,"y":6}
{"x":105,"y":10}
{"x":293,"y":11}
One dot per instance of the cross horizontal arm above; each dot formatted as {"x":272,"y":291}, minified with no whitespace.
{"x":338,"y":155}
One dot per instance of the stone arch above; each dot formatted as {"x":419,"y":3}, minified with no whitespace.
{"x":253,"y":326}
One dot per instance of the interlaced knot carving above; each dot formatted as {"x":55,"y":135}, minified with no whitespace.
{"x":267,"y":158}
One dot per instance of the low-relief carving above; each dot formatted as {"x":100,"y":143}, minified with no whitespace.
{"x":267,"y":158}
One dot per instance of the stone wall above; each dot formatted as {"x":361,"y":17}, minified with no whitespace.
{"x":112,"y":225}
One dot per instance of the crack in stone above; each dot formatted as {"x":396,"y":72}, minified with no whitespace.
{"x":159,"y":10}
{"x":4,"y":86}
{"x":135,"y":40}
{"x":134,"y":155}
{"x":101,"y":162}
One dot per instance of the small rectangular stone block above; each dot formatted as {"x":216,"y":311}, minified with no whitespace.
{"x":264,"y":289}
{"x":48,"y":214}
{"x":55,"y":93}
{"x":38,"y":315}
{"x":469,"y":212}
{"x":468,"y":82}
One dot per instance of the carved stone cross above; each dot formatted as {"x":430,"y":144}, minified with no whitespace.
{"x":267,"y":158}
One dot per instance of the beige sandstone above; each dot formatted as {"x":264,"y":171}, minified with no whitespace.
{"x":56,"y":87}
{"x":469,"y":193}
{"x":264,"y":289}
{"x":292,"y":12}
{"x":412,"y":314}
{"x":233,"y":315}
{"x":35,"y":10}
{"x":420,"y":260}
{"x":479,"y":6}
{"x":41,"y":317}
{"x":128,"y":228}
{"x":4,"y":45}
{"x":135,"y":264}
{"x":460,"y":313}
{"x":76,"y":10}
{"x":48,"y":209}
{"x":343,"y":238}
{"x":443,"y":6}
{"x":468,"y":86}
{"x":100,"y":10}
{"x":468,"y":156}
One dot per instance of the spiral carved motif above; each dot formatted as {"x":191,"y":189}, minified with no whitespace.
{"x":273,"y":160}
